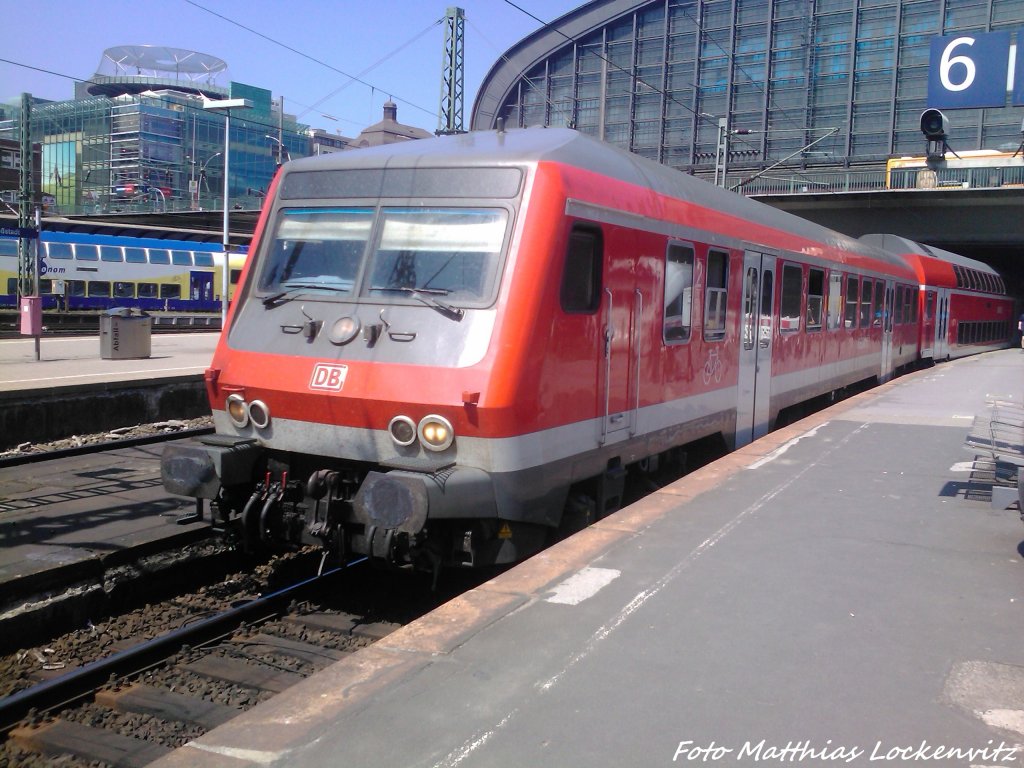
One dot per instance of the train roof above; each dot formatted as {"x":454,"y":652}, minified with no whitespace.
{"x":563,"y":145}
{"x":898,"y":244}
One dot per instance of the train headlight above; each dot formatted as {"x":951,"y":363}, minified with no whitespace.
{"x":436,"y":432}
{"x":344,"y":330}
{"x":259,"y":414}
{"x":237,"y":410}
{"x":403,"y":430}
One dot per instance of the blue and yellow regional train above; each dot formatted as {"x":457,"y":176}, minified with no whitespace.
{"x":85,"y":272}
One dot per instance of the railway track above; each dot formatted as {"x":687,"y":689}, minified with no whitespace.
{"x":205,"y":658}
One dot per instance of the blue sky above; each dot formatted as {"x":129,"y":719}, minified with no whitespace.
{"x":394,"y":46}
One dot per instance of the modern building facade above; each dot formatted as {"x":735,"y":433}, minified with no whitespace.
{"x":821,"y":92}
{"x":137,"y":137}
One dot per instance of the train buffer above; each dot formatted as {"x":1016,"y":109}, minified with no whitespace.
{"x":997,"y":440}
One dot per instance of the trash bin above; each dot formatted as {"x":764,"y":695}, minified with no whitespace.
{"x":125,"y":334}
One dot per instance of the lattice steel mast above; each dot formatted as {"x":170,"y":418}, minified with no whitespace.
{"x":452,"y":73}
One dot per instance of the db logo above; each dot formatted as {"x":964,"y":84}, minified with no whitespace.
{"x":328,"y":376}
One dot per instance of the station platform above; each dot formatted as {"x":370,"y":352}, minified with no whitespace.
{"x":72,"y":390}
{"x":75,"y":361}
{"x":841,"y":591}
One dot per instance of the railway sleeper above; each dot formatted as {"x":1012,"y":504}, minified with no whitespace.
{"x":142,"y":699}
{"x":314,"y":655}
{"x":238,"y":672}
{"x":61,"y":737}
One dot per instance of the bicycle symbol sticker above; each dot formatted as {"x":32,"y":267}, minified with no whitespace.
{"x":713,"y":367}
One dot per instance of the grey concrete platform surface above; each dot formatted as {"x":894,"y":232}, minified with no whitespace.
{"x":836,"y":593}
{"x":73,"y":390}
{"x":75,"y":360}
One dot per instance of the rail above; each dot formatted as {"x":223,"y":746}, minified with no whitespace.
{"x":84,"y":681}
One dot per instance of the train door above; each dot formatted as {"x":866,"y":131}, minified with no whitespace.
{"x":887,"y":310}
{"x":201,"y":286}
{"x":623,"y":311}
{"x":928,"y":324}
{"x":942,"y":325}
{"x":753,"y":414}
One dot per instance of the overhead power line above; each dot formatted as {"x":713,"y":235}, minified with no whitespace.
{"x":303,"y":54}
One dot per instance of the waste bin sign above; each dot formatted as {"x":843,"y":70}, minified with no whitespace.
{"x":125,"y":334}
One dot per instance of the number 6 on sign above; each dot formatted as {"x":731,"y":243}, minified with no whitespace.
{"x":969,"y":71}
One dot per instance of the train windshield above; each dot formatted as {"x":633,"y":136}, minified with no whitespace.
{"x":449,"y":251}
{"x":415,"y":252}
{"x":317,"y":250}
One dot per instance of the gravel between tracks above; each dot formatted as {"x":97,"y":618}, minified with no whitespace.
{"x":112,"y":436}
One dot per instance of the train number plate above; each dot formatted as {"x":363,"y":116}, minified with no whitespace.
{"x":328,"y":376}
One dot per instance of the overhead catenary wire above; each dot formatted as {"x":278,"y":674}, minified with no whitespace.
{"x":315,"y":60}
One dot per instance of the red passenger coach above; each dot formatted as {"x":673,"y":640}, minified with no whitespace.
{"x":446,"y":350}
{"x":963,"y":303}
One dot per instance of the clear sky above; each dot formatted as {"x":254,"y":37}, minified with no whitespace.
{"x":297,"y":49}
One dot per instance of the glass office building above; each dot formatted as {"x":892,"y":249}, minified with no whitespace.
{"x":832,"y":87}
{"x":143,"y":142}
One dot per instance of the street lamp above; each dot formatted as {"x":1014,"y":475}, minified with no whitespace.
{"x":202,"y":175}
{"x":282,"y":150}
{"x":226,"y":106}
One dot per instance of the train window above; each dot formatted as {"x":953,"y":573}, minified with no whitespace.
{"x":835,"y":300}
{"x":765,"y":332}
{"x":123,"y":290}
{"x":899,"y":305}
{"x":322,"y":249}
{"x":99,"y":288}
{"x":181,"y":258}
{"x":451,"y":252}
{"x":865,"y":303}
{"x":852,"y":299}
{"x":111,"y":253}
{"x":59,"y":251}
{"x":716,"y":297}
{"x":12,"y":286}
{"x":159,"y":256}
{"x":203,"y":259}
{"x":678,"y":292}
{"x":170,"y":291}
{"x":910,"y":306}
{"x":929,"y":306}
{"x":876,"y":320}
{"x":815,"y":298}
{"x":135,"y":255}
{"x":74,"y":288}
{"x":792,"y":296}
{"x":87,"y":252}
{"x":749,"y":307}
{"x":8,"y":247}
{"x":147,"y":290}
{"x":234,"y":275}
{"x":45,"y":286}
{"x":581,"y":279}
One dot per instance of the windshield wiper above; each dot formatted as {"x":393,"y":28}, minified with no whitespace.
{"x":283,"y":297}
{"x":427,"y":296}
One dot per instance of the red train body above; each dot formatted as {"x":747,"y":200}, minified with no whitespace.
{"x":962,"y":303}
{"x":444,"y":350}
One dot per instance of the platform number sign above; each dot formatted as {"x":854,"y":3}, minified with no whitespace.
{"x":975,"y":70}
